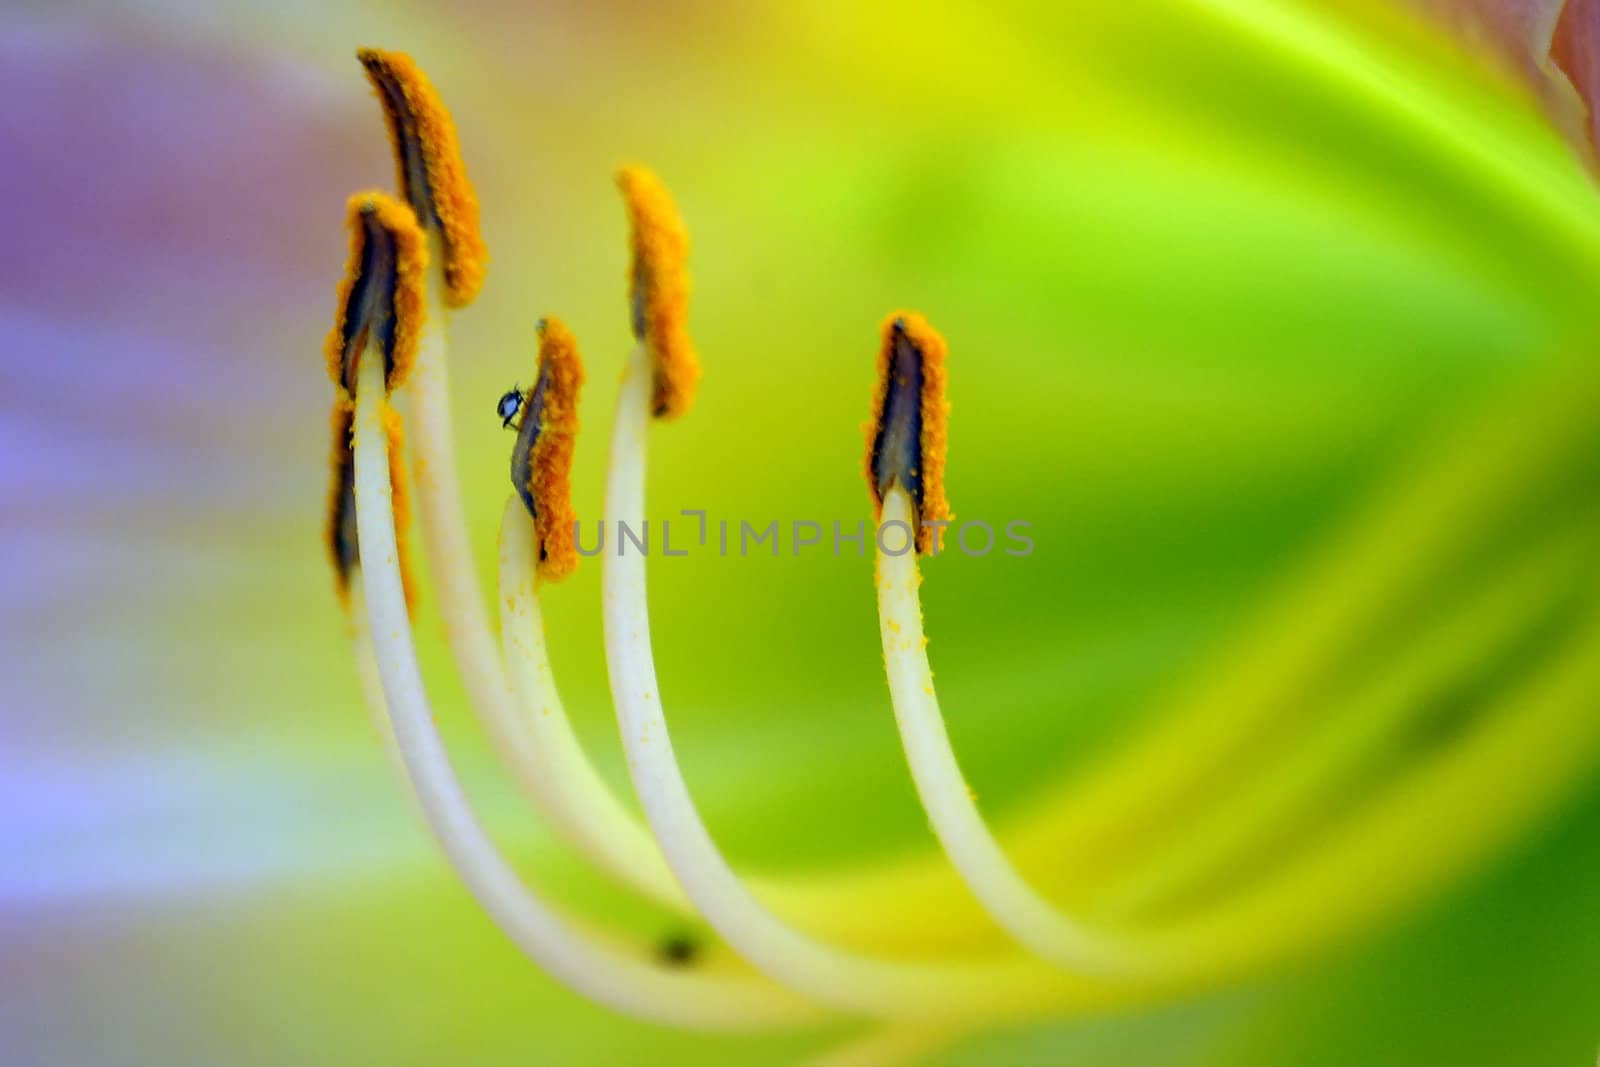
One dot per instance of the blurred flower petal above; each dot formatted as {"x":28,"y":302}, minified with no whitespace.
{"x":1209,"y":298}
{"x":1556,"y":45}
{"x":1576,"y":49}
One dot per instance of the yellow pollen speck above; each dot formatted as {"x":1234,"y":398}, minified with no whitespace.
{"x":659,"y":289}
{"x":432,"y":175}
{"x":934,"y":407}
{"x":542,"y":461}
{"x":382,"y":291}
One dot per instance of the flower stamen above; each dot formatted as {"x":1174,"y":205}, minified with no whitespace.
{"x":431,"y":172}
{"x":381,"y":296}
{"x":907,"y":436}
{"x":627,"y":981}
{"x":1279,"y":909}
{"x":905,"y":466}
{"x":537,"y":541}
{"x":432,"y":176}
{"x":885,"y":988}
{"x":541,"y":460}
{"x":380,"y":313}
{"x":658,"y":283}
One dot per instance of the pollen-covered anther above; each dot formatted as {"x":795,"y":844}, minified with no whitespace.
{"x":658,"y":280}
{"x":907,"y":436}
{"x":432,"y":176}
{"x":381,"y":296}
{"x":343,"y":543}
{"x":541,"y":460}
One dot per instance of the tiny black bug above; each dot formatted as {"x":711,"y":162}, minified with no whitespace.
{"x":509,"y":405}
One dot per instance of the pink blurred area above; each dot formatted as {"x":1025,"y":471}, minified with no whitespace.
{"x":1555,"y":42}
{"x":1576,"y":49}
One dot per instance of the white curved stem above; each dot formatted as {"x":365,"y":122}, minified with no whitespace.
{"x":1506,"y":607}
{"x":1033,"y":921}
{"x":609,"y":974}
{"x":371,"y":684}
{"x":575,"y":798}
{"x":466,"y":624}
{"x":590,"y":810}
{"x":1536,"y":749}
{"x":872,"y":986}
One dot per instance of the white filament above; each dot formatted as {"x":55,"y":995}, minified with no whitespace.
{"x":869,"y":985}
{"x":574,"y":796}
{"x":1033,"y":921}
{"x":615,"y":845}
{"x":607,"y":973}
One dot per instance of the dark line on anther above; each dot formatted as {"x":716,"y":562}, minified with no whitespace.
{"x":342,"y":529}
{"x":528,"y":428}
{"x":370,"y":307}
{"x":897,"y":446}
{"x":636,"y":303}
{"x":413,"y":161}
